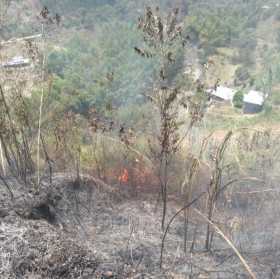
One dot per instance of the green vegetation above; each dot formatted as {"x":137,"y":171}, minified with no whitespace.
{"x":93,"y":64}
{"x":238,"y":99}
{"x":101,"y":72}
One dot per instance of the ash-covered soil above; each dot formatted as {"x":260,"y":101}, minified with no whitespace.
{"x":93,"y":230}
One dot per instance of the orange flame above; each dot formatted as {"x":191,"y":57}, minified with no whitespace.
{"x":123,"y":178}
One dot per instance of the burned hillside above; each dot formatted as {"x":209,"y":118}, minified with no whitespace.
{"x":139,"y":140}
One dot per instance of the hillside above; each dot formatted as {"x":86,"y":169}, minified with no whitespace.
{"x":139,"y":139}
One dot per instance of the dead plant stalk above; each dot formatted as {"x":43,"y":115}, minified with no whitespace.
{"x":41,"y":106}
{"x":219,"y":231}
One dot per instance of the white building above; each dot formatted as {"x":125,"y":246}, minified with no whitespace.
{"x":17,"y":61}
{"x":222,"y":93}
{"x":253,"y":102}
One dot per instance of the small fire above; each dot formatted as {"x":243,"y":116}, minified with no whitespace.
{"x":123,"y":178}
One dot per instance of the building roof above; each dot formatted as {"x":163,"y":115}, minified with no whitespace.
{"x":16,"y":61}
{"x":224,"y":93}
{"x":254,"y":97}
{"x":15,"y":40}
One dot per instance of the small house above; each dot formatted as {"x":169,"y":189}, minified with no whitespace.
{"x":253,"y":102}
{"x":16,"y":62}
{"x":222,"y":94}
